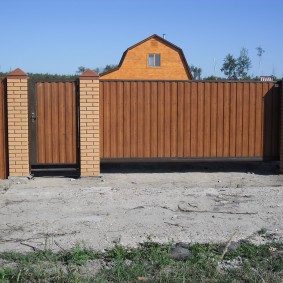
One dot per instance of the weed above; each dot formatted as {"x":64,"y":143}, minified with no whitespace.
{"x":150,"y":262}
{"x":78,"y":255}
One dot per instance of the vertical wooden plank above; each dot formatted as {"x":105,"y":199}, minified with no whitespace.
{"x":55,"y":122}
{"x":174,"y":120}
{"x":154,"y":120}
{"x":220,"y":120}
{"x":239,"y":126}
{"x":74,"y":122}
{"x":187,"y":120}
{"x":113,"y":120}
{"x":207,"y":119}
{"x":64,"y":88}
{"x":267,"y":126}
{"x":200,"y":119}
{"x":140,"y":122}
{"x":194,"y":115}
{"x":274,"y":88}
{"x":69,"y":123}
{"x":3,"y":145}
{"x":161,"y":118}
{"x":107,"y":120}
{"x":101,"y":118}
{"x":39,"y":92}
{"x":62,"y":123}
{"x":252,"y":119}
{"x":47,"y":123}
{"x":120,"y":120}
{"x":246,"y":118}
{"x":147,"y":119}
{"x":280,"y":90}
{"x":180,"y":119}
{"x":213,"y":121}
{"x":2,"y":133}
{"x":233,"y":119}
{"x":134,"y":119}
{"x":259,"y":121}
{"x":127,"y":120}
{"x":167,"y":114}
{"x":226,"y":118}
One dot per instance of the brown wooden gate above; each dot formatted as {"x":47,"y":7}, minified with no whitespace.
{"x":189,"y":120}
{"x":3,"y":132}
{"x":53,"y":127}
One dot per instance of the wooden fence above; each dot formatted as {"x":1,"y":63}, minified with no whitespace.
{"x":3,"y":133}
{"x":189,"y":120}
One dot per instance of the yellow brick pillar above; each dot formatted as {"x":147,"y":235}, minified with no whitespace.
{"x":17,"y":109}
{"x":89,"y":124}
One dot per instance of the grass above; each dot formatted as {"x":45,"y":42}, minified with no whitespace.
{"x":150,"y":262}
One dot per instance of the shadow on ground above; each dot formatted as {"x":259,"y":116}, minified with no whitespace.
{"x":256,"y":167}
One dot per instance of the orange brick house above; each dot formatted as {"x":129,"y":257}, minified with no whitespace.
{"x":153,"y":58}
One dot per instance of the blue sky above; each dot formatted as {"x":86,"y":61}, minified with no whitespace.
{"x":58,"y":36}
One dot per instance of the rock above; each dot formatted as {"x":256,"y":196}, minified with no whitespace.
{"x":128,"y":262}
{"x":180,"y":253}
{"x":117,"y":240}
{"x":7,"y":264}
{"x":231,"y":264}
{"x":183,"y":245}
{"x":234,"y":246}
{"x":231,"y":248}
{"x":92,"y":267}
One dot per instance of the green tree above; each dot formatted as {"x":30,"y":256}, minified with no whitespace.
{"x":214,"y":78}
{"x":260,"y":52}
{"x":229,"y":67}
{"x":244,"y":63}
{"x":109,"y":67}
{"x":196,"y":72}
{"x":96,"y":70}
{"x":81,"y":70}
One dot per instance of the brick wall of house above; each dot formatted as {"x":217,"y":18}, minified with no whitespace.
{"x":135,"y":65}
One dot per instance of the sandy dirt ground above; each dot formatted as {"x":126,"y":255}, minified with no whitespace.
{"x":130,"y":204}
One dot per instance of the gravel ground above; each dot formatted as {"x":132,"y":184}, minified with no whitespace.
{"x":133,"y":203}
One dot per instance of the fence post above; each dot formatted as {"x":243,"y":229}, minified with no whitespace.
{"x":281,"y":130}
{"x":89,"y":124}
{"x":17,"y":109}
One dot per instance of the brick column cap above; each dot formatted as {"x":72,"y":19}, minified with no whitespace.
{"x":17,"y":74}
{"x":89,"y":75}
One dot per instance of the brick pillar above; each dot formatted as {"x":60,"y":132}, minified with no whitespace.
{"x":17,"y":109}
{"x":281,"y":130}
{"x":89,"y":124}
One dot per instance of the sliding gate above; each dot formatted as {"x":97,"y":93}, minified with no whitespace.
{"x":170,"y":120}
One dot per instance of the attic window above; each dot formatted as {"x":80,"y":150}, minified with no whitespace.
{"x":154,"y":60}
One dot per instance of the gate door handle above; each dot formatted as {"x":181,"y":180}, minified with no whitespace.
{"x":33,"y":117}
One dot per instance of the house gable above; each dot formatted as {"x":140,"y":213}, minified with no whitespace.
{"x":134,"y":62}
